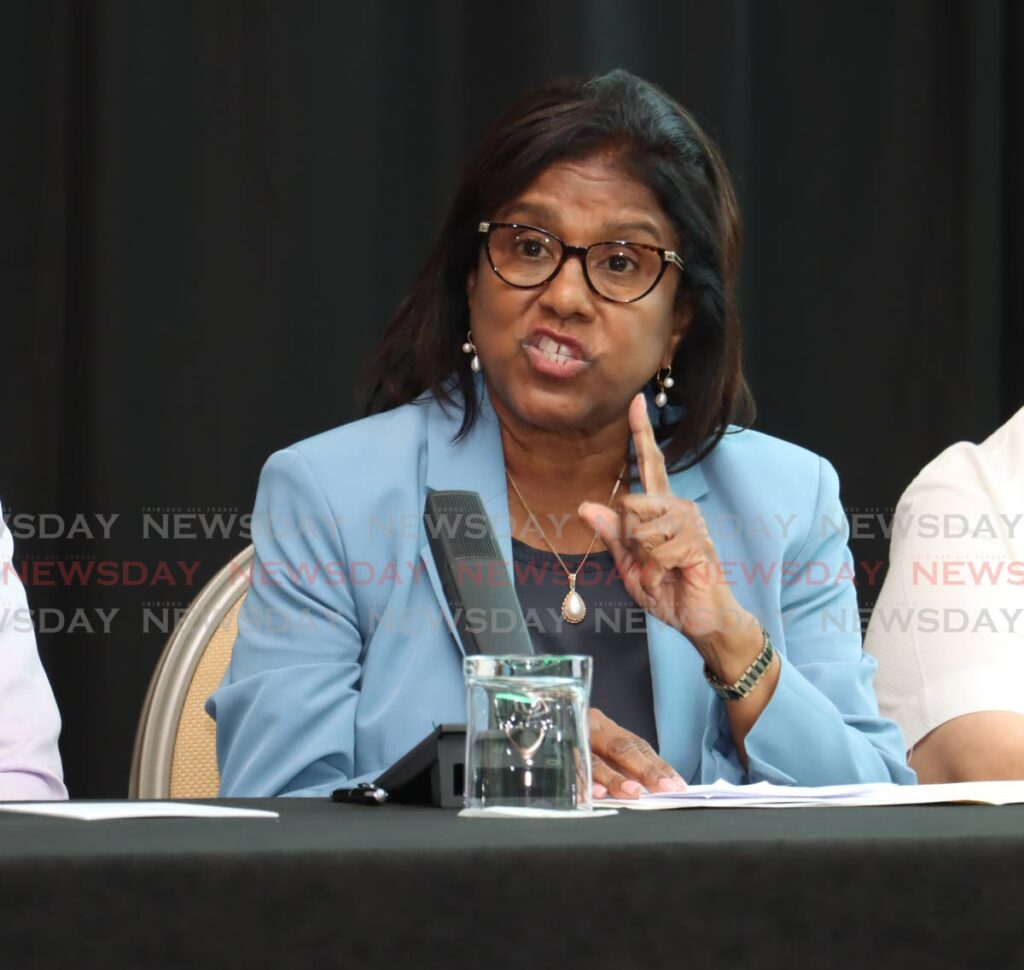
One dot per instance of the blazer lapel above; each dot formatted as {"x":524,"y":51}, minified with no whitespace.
{"x":681,"y":698}
{"x":475,"y":464}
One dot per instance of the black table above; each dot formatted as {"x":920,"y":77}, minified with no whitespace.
{"x":349,"y":886}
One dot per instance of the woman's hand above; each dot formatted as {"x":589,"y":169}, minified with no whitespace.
{"x":668,"y":562}
{"x":624,"y":764}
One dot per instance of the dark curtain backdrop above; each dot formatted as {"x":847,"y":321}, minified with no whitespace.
{"x":210,"y":210}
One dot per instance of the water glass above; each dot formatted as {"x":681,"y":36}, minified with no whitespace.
{"x":527,"y":738}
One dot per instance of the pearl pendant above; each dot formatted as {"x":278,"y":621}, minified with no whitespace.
{"x":474,"y":364}
{"x":573,"y":607}
{"x":661,"y":399}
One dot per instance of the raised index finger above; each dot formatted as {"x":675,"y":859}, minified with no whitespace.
{"x":649,"y":458}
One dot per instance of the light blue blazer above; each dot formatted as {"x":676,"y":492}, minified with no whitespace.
{"x":347,"y":654}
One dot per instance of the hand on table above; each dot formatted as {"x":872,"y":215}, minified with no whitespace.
{"x":624,"y":764}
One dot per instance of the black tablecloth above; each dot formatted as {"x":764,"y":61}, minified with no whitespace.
{"x":348,"y":886}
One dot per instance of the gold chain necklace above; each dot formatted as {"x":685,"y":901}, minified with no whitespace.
{"x":573,"y":607}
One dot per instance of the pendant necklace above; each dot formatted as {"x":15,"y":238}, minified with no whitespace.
{"x":573,"y":607}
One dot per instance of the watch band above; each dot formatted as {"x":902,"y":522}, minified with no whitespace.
{"x":746,"y":684}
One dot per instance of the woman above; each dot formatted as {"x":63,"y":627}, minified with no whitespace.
{"x":515,"y":369}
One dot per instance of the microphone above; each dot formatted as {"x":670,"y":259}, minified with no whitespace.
{"x":481,"y":597}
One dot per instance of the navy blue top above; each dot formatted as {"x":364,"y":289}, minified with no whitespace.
{"x":614,"y":631}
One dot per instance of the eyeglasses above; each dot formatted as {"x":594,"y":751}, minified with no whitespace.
{"x":620,"y":271}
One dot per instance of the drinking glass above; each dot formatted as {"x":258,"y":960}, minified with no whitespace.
{"x":527,"y":738}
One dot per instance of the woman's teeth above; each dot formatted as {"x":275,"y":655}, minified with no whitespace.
{"x":554,"y":351}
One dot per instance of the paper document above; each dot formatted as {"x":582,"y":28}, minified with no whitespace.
{"x":722,"y":794}
{"x":105,"y":811}
{"x":512,"y":812}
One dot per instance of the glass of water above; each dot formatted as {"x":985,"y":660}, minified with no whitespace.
{"x":527,"y":738}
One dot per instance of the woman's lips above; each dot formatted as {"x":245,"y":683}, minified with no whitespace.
{"x":549,"y":358}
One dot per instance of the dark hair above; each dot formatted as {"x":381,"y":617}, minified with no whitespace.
{"x":658,"y":143}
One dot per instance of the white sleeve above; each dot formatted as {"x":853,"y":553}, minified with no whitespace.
{"x":948,"y":627}
{"x":30,"y":767}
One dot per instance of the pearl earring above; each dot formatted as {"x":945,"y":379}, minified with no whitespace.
{"x":469,"y":348}
{"x":664,"y":383}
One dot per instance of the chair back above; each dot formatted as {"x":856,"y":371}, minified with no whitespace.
{"x":175,"y":753}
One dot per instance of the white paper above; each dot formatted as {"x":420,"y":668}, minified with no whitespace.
{"x":498,"y":811}
{"x":105,"y":811}
{"x":722,"y":794}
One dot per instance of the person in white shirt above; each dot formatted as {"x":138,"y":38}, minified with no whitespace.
{"x":948,"y":628}
{"x":30,"y":767}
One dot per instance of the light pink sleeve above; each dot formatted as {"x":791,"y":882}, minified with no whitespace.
{"x":30,"y":767}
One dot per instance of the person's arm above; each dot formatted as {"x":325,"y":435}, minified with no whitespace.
{"x":983,"y":746}
{"x":947,"y":629}
{"x":30,"y":767}
{"x":286,"y":709}
{"x":820,"y":724}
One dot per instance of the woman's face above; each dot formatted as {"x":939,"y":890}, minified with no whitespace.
{"x":618,"y":346}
